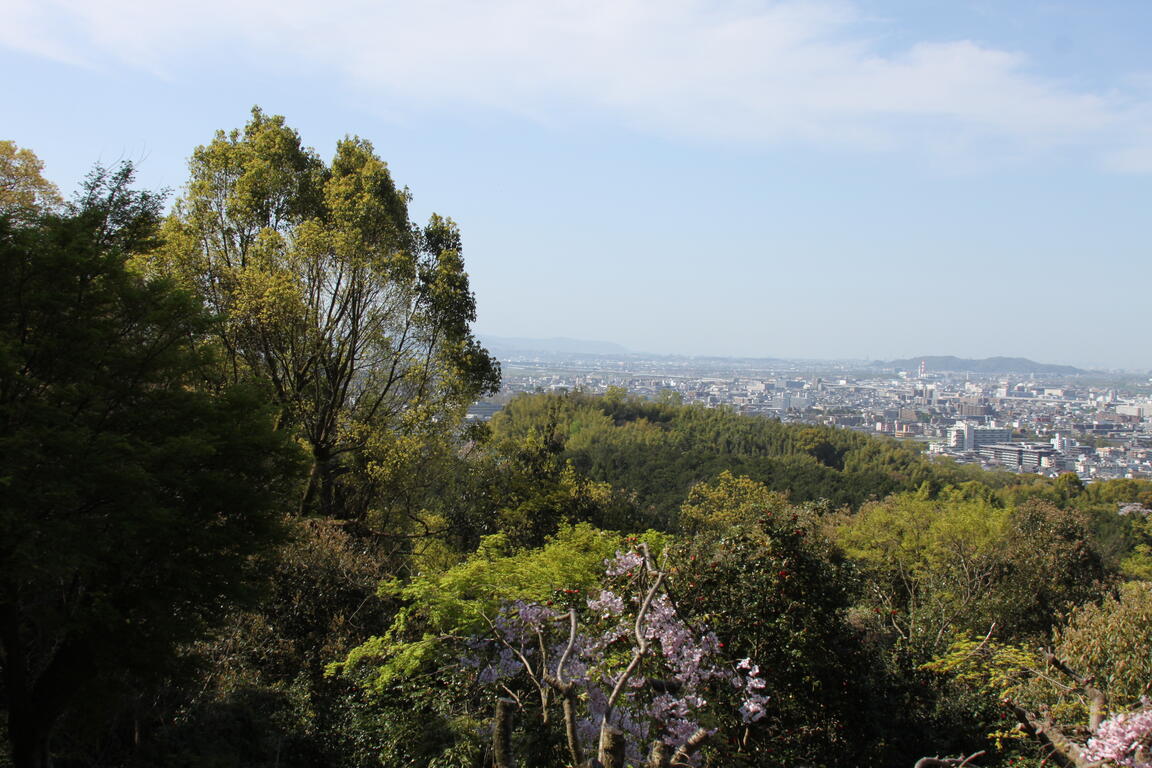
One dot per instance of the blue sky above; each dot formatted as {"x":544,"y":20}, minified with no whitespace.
{"x":861,"y":178}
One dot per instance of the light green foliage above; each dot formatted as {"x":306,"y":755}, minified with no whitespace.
{"x":659,"y":449}
{"x":357,"y":321}
{"x":931,"y":563}
{"x":455,"y":603}
{"x":1118,"y":491}
{"x":961,"y":563}
{"x":1106,"y":644}
{"x":530,"y":485}
{"x":991,"y":672}
{"x":993,"y":668}
{"x":918,"y":534}
{"x":1122,"y":540}
{"x":1137,"y":564}
{"x":726,"y":502}
{"x":562,"y":496}
{"x":24,"y":192}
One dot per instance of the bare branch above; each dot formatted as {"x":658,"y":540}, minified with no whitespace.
{"x":540,"y":687}
{"x":567,"y":690}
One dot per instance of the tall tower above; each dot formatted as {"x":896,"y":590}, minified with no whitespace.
{"x":923,"y":368}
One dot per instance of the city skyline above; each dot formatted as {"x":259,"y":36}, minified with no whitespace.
{"x":1044,"y":421}
{"x":869,"y":179}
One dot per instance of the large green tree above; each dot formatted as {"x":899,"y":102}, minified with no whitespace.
{"x":356,"y":320}
{"x":137,"y":496}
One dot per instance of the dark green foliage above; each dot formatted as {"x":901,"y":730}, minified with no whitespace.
{"x":775,"y":591}
{"x":411,"y":724}
{"x":264,"y":668}
{"x":139,"y":498}
{"x":1049,"y":567}
{"x":658,"y":450}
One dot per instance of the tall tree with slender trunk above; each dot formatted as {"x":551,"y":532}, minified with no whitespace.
{"x":356,"y":321}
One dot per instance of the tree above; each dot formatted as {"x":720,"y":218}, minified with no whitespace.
{"x":626,"y":656}
{"x":417,"y":661}
{"x":728,"y":501}
{"x":1110,"y":641}
{"x":137,"y":495}
{"x":759,"y":571}
{"x":357,"y":321}
{"x":930,"y":566}
{"x":24,"y":193}
{"x":1098,"y":673}
{"x":1048,"y":567}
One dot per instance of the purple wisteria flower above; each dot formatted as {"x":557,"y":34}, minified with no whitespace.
{"x":624,"y":564}
{"x":665,"y":689}
{"x":607,"y":604}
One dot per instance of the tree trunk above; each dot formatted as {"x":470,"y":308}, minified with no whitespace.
{"x":320,"y":489}
{"x":27,"y":732}
{"x":502,"y":734}
{"x":34,"y":706}
{"x":612,"y":747}
{"x":569,"y":705}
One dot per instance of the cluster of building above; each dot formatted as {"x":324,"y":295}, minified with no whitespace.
{"x":1023,"y":423}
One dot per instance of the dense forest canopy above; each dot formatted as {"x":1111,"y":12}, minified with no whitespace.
{"x":244,"y":523}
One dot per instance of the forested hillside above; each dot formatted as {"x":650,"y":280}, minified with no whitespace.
{"x":244,"y":523}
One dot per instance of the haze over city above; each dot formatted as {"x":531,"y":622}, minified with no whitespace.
{"x":862,"y":179}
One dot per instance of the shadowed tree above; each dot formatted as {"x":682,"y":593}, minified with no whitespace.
{"x":136,"y":495}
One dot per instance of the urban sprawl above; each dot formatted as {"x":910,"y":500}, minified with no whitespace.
{"x":1039,"y":423}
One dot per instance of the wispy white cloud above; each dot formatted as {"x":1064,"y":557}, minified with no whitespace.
{"x":39,"y":29}
{"x":749,"y":70}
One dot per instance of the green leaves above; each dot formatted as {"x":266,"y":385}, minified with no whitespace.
{"x":356,"y":322}
{"x":1111,"y":641}
{"x":454,"y":603}
{"x":24,"y":193}
{"x":140,"y":499}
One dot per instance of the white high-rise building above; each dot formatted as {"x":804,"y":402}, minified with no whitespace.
{"x":967,"y":436}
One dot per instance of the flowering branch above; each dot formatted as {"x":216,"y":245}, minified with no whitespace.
{"x":541,"y":689}
{"x":653,"y":700}
{"x":567,"y":690}
{"x":639,"y":651}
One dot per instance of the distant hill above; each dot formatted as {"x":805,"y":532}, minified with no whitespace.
{"x":987,"y":365}
{"x":559,"y":345}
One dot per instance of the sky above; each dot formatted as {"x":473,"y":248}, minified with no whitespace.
{"x":869,"y":179}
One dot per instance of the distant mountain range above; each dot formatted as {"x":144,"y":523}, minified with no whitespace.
{"x":987,"y":365}
{"x":558,"y":345}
